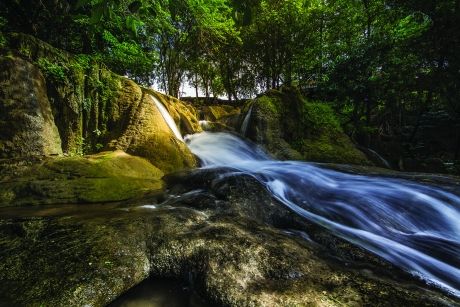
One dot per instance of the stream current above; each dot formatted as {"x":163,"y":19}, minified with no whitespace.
{"x":414,"y":226}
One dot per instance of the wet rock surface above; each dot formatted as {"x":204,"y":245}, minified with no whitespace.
{"x":103,"y":177}
{"x":219,"y":232}
{"x":148,"y":135}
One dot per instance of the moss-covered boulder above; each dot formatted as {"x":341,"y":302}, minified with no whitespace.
{"x":219,"y":117}
{"x":92,"y":108}
{"x":104,"y":177}
{"x":290,"y":127}
{"x":219,"y":112}
{"x":27,"y":125}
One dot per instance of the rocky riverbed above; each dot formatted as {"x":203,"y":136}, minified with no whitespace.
{"x":224,"y":237}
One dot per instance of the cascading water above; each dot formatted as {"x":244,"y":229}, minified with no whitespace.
{"x":204,"y":124}
{"x":414,"y":226}
{"x":244,"y":126}
{"x":382,"y":161}
{"x":167,"y":117}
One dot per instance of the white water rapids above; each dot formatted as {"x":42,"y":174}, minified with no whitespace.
{"x":414,"y":226}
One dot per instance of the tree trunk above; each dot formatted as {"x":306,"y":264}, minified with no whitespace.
{"x":196,"y":85}
{"x":368,"y":18}
{"x":368,"y":110}
{"x":419,"y":117}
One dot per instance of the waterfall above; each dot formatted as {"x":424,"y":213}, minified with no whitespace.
{"x":376,"y":156}
{"x":204,"y":124}
{"x":247,"y":118}
{"x":412,"y":225}
{"x":167,"y":117}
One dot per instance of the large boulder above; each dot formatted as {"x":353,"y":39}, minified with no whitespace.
{"x":290,"y":127}
{"x":148,"y":135}
{"x":99,"y":178}
{"x":26,"y":120}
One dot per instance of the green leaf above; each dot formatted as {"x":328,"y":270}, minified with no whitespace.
{"x":97,"y":13}
{"x":412,"y":26}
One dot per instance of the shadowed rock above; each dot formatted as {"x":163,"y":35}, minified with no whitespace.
{"x":26,"y":120}
{"x":215,"y":235}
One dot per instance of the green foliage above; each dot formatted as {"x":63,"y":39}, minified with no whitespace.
{"x":411,"y":26}
{"x":54,"y":71}
{"x":127,"y":56}
{"x":320,"y":116}
{"x":87,"y":103}
{"x":379,"y":62}
{"x":81,"y":62}
{"x":25,"y":50}
{"x":80,"y":146}
{"x":99,"y":147}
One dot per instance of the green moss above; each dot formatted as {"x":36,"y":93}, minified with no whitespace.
{"x":106,"y":177}
{"x":290,"y":127}
{"x":166,"y":153}
{"x":216,"y":113}
{"x":270,"y":104}
{"x":331,"y":147}
{"x":320,"y":117}
{"x":81,"y":62}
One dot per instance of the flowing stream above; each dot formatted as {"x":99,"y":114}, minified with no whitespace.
{"x":414,"y":226}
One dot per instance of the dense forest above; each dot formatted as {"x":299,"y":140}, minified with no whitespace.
{"x":386,"y":67}
{"x":317,"y":163}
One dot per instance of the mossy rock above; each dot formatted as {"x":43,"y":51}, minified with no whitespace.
{"x":332,"y":148}
{"x":219,"y":112}
{"x":165,"y":152}
{"x":148,"y":135}
{"x":26,"y":119}
{"x":92,"y":108}
{"x":183,"y":113}
{"x":265,"y":128}
{"x":290,"y":127}
{"x":105,"y":177}
{"x":217,"y":127}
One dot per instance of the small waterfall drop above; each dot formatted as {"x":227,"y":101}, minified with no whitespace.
{"x":245,"y":125}
{"x":204,"y":124}
{"x":167,"y":117}
{"x":377,"y":156}
{"x":412,"y":225}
